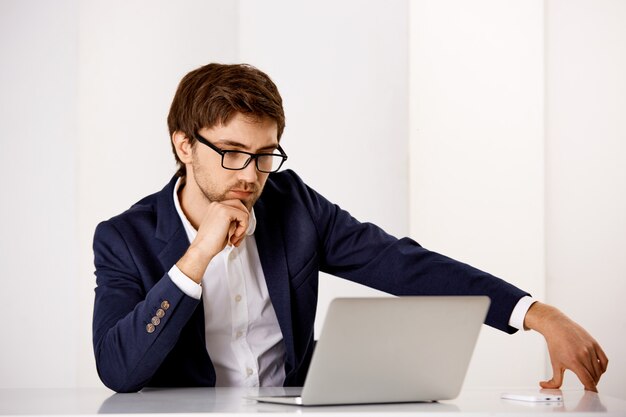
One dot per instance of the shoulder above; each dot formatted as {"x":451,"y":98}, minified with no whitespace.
{"x":292,"y":203}
{"x":143,"y":211}
{"x":284,"y":182}
{"x":286,"y":187}
{"x":141,"y":216}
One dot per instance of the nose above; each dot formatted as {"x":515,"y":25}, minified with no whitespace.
{"x":249,"y":174}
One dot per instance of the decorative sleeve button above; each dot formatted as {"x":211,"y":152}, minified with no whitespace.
{"x":150,"y":328}
{"x":165,"y":305}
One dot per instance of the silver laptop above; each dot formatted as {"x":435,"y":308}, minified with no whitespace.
{"x":389,"y":350}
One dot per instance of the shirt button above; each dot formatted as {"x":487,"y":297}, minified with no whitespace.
{"x":238,"y":298}
{"x":165,"y":305}
{"x":238,"y":334}
{"x":150,"y":328}
{"x":248,"y":371}
{"x":156,"y":321}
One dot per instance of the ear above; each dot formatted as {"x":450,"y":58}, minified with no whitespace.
{"x":184,"y":149}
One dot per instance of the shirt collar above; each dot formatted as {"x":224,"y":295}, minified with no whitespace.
{"x":187,"y":224}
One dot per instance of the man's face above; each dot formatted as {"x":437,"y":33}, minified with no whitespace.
{"x":241,"y":133}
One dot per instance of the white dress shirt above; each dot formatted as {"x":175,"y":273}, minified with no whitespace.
{"x":243,"y":337}
{"x":519,"y":312}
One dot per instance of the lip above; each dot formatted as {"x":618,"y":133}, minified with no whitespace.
{"x":241,"y":193}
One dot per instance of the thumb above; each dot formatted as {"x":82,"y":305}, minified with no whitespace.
{"x":231,"y":233}
{"x":556,"y":381}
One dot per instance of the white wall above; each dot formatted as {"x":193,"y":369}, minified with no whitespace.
{"x":86,"y":87}
{"x":38,"y":247}
{"x":477,"y":156}
{"x":586,"y":172}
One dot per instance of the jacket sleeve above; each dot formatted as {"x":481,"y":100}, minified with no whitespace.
{"x":364,"y":253}
{"x":134,"y":327}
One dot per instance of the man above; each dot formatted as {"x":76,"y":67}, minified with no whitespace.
{"x":213,"y":280}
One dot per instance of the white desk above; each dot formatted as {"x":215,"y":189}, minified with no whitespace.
{"x":228,"y":401}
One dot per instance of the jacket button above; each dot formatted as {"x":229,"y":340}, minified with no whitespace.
{"x":150,"y":328}
{"x":156,"y":321}
{"x":160,"y":313}
{"x":165,"y":305}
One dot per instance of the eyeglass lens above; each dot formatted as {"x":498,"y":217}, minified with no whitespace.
{"x":239,"y":160}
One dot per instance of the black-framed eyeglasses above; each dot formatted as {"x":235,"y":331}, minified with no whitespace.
{"x":237,"y":160}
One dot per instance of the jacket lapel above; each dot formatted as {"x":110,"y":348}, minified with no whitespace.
{"x":268,"y":235}
{"x":169,"y":228}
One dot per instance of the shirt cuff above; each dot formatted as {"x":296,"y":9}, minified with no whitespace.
{"x":519,"y":312}
{"x":184,"y":283}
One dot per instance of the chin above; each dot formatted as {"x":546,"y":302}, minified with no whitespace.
{"x":250,"y":204}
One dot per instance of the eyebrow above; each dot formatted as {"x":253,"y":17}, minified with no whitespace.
{"x":235,"y":144}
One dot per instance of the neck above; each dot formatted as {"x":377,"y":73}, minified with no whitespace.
{"x":192,"y":201}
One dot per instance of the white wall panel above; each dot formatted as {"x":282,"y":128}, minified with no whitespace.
{"x":586,"y":173}
{"x":476,"y":141}
{"x":38,"y":249}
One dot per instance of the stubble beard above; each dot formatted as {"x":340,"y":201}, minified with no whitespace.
{"x":211,"y":194}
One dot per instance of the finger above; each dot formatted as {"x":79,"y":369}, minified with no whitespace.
{"x":240,"y":214}
{"x":589,"y":362}
{"x":237,"y":239}
{"x":585,"y":377}
{"x":595,"y":365}
{"x":231,"y":234}
{"x":236,"y":204}
{"x":557,"y":379}
{"x":239,"y":218}
{"x":604,"y":361}
{"x":240,"y":227}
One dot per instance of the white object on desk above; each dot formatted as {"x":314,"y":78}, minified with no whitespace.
{"x":532,"y":397}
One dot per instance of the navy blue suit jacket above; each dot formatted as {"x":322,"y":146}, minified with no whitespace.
{"x":298,"y":234}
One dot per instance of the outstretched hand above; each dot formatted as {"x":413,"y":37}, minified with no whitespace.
{"x":569,"y":345}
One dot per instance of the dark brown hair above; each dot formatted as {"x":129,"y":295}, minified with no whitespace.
{"x":212,"y":94}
